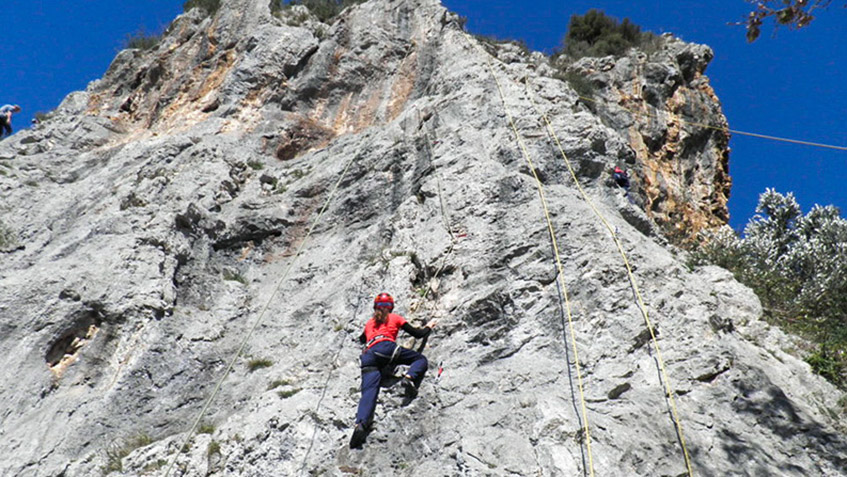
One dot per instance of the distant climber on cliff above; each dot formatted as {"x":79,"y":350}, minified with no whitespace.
{"x":6,"y":112}
{"x":621,"y":178}
{"x":382,"y":353}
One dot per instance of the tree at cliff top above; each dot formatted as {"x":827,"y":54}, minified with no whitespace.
{"x":596,"y":34}
{"x":797,"y":265}
{"x":791,"y":13}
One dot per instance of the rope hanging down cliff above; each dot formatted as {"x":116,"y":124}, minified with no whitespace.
{"x":261,"y":316}
{"x":445,"y":219}
{"x":561,"y":274}
{"x":640,"y":301}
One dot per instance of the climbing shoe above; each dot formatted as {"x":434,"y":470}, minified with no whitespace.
{"x":409,"y":387}
{"x":359,"y":435}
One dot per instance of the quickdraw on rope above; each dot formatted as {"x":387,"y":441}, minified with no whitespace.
{"x":633,"y":284}
{"x":258,"y":321}
{"x":561,"y":274}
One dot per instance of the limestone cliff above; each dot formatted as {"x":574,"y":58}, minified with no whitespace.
{"x":663,"y":103}
{"x":161,"y":215}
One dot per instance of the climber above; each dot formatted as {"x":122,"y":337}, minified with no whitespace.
{"x":381,"y":352}
{"x":621,"y":178}
{"x":6,"y":112}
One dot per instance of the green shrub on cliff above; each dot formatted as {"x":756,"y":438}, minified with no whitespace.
{"x":142,"y":40}
{"x":797,"y":265}
{"x":595,"y":34}
{"x":8,"y":238}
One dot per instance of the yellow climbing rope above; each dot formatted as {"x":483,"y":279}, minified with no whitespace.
{"x":560,"y":269}
{"x":641,"y":306}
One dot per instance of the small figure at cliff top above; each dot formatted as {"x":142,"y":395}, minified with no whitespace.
{"x":381,"y":354}
{"x":6,"y":112}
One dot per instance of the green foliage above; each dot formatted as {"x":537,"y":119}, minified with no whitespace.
{"x":8,"y":238}
{"x":141,"y":40}
{"x":154,"y":466}
{"x":277,"y":383}
{"x":827,"y":365}
{"x":206,"y":429}
{"x":722,"y":248}
{"x":276,"y":6}
{"x":324,"y":10}
{"x":214,"y":448}
{"x":489,"y":40}
{"x":234,"y":277}
{"x":256,"y":165}
{"x":209,"y":6}
{"x":114,"y":459}
{"x":288,"y":393}
{"x":186,"y":448}
{"x":596,"y":34}
{"x":582,"y":85}
{"x":797,"y":265}
{"x":793,"y":14}
{"x":257,"y":363}
{"x":289,"y":15}
{"x":118,"y":450}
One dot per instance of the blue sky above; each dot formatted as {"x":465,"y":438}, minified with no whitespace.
{"x":51,"y":48}
{"x":791,"y":84}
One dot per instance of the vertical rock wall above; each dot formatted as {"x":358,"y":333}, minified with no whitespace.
{"x":678,"y":134}
{"x":159,"y":214}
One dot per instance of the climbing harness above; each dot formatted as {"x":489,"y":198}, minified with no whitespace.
{"x":374,"y":340}
{"x":389,"y":357}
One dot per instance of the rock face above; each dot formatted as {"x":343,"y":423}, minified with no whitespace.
{"x":161,"y":219}
{"x":664,"y":105}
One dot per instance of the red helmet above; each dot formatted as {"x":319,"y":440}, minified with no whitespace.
{"x":384,"y":300}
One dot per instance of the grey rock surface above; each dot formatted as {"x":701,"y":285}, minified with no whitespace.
{"x":157,"y":219}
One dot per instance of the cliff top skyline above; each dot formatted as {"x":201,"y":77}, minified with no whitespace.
{"x":785,"y":84}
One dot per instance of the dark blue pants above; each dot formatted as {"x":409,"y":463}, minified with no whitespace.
{"x":374,"y":361}
{"x":5,"y":127}
{"x":621,"y":180}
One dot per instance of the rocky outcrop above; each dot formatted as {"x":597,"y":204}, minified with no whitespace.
{"x":157,"y":219}
{"x":674,"y":125}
